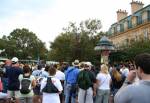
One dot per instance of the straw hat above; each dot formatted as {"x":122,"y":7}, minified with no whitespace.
{"x":76,"y":63}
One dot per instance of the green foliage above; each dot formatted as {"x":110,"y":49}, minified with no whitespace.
{"x":77,"y":42}
{"x":129,"y":52}
{"x":23,"y":43}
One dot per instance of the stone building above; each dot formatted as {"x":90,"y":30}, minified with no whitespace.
{"x":133,"y":27}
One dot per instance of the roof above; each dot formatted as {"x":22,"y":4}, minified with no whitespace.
{"x":128,"y":17}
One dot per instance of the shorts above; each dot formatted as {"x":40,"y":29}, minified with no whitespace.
{"x":13,"y":94}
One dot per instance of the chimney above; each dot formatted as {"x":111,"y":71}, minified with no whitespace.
{"x":136,"y":5}
{"x":121,"y":14}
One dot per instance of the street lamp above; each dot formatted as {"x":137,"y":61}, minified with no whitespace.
{"x":104,"y":46}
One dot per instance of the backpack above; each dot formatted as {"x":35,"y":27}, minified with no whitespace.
{"x":84,"y":81}
{"x":25,"y":85}
{"x":50,"y":87}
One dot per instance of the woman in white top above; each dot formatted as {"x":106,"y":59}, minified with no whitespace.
{"x":103,"y":85}
{"x":51,"y":97}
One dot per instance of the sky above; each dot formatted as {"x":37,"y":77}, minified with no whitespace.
{"x":46,"y":18}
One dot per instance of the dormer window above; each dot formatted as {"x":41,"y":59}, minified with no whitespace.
{"x":145,"y":16}
{"x":118,"y":28}
{"x":134,"y":20}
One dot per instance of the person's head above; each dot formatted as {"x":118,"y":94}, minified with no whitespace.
{"x":116,"y":74}
{"x":15,"y":62}
{"x":104,"y":68}
{"x":26,"y":68}
{"x":142,"y":63}
{"x":39,"y":67}
{"x":52,"y":71}
{"x":81,"y":65}
{"x":64,"y":64}
{"x":47,"y":68}
{"x":87,"y":65}
{"x":55,"y":66}
{"x":8,"y":62}
{"x":76,"y":63}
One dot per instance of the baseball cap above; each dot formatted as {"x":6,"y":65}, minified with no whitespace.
{"x":14,"y":60}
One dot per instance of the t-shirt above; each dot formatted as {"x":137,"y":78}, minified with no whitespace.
{"x":31,"y":93}
{"x":88,"y":77}
{"x":40,"y":73}
{"x":13,"y":74}
{"x":60,"y":75}
{"x":51,"y":97}
{"x":104,"y":81}
{"x":71,"y":75}
{"x":135,"y":93}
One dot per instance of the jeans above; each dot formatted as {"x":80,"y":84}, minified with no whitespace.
{"x":102,"y":96}
{"x":69,"y":95}
{"x":85,"y":96}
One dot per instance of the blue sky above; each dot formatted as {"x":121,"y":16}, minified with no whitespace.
{"x":46,"y":18}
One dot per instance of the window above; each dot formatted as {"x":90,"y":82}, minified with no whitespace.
{"x":125,"y":25}
{"x":121,"y":27}
{"x":134,"y":21}
{"x":148,"y":15}
{"x":129,"y":24}
{"x":112,"y":30}
{"x":144,"y":16}
{"x":139,"y":19}
{"x":118,"y":28}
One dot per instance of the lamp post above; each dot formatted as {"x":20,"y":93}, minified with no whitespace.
{"x":104,"y":46}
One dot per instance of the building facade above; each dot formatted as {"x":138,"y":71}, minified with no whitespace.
{"x":133,"y":27}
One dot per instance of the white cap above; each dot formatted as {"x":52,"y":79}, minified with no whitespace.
{"x":14,"y":60}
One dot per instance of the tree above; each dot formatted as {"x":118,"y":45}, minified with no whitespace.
{"x":77,"y":42}
{"x":128,"y":52}
{"x":23,"y":43}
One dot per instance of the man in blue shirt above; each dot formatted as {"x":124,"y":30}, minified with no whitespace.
{"x":13,"y":82}
{"x":71,"y":82}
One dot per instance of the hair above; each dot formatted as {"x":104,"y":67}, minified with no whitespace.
{"x":26,"y":69}
{"x":47,"y":68}
{"x":104,"y":68}
{"x":39,"y":67}
{"x":52,"y":71}
{"x":143,"y":61}
{"x":55,"y":66}
{"x":116,"y":75}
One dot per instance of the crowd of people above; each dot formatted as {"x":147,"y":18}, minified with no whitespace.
{"x":79,"y":82}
